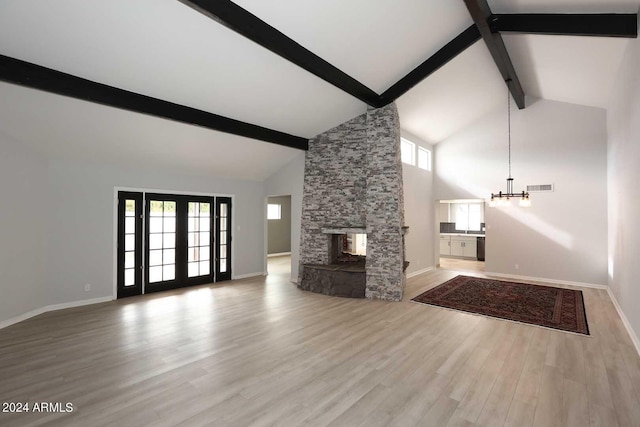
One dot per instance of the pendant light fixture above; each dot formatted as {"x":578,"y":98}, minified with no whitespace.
{"x":504,"y":199}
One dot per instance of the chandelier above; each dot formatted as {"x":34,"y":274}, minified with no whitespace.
{"x":504,"y":198}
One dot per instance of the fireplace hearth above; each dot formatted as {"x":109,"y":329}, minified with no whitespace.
{"x":340,"y":280}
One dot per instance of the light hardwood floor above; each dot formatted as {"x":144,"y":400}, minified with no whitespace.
{"x":458,"y":264}
{"x":260,"y":352}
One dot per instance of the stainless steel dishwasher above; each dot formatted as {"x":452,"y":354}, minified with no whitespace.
{"x":480,"y":250}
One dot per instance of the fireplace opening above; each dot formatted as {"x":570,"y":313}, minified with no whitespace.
{"x":355,"y":244}
{"x":348,"y":249}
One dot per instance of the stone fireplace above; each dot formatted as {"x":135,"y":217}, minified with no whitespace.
{"x":353,"y":185}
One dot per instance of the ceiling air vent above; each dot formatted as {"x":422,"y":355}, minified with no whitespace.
{"x":539,"y":188}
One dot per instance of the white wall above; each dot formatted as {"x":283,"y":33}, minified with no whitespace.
{"x":22,"y":229}
{"x":288,"y":181}
{"x":623,"y":125}
{"x":81,"y":223}
{"x":563,"y":235}
{"x":57,"y":226}
{"x":419,"y":212}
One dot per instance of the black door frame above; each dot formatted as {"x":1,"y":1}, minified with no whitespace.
{"x":220,"y":276}
{"x":181,"y":278}
{"x":121,"y":290}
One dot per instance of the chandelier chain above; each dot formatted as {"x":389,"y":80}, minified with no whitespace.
{"x":509,"y":122}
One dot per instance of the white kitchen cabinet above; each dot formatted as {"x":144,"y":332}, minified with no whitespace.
{"x":445,"y":245}
{"x":463,"y":246}
{"x":459,"y":246}
{"x":470,"y":248}
{"x":456,"y":247}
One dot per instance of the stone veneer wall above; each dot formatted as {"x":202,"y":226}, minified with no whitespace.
{"x":384,"y":206}
{"x":335,"y":179}
{"x":353,"y":179}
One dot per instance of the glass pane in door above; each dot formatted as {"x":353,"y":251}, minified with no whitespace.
{"x":129,"y":246}
{"x":199,"y":239}
{"x":223,"y":247}
{"x":162,"y":241}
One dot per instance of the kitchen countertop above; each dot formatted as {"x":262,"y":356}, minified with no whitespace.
{"x":462,"y":234}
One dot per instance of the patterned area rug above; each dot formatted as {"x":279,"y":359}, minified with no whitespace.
{"x":546,"y":306}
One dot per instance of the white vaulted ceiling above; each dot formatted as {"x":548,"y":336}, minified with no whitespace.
{"x":578,"y":70}
{"x":165,"y":49}
{"x":375,"y":42}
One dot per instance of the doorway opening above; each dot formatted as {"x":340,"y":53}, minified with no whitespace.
{"x":462,"y":234}
{"x":169,"y":241}
{"x":279,"y":234}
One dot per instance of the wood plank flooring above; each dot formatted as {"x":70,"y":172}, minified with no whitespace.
{"x":260,"y":352}
{"x":458,"y":264}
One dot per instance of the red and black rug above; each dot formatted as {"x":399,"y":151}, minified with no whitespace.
{"x":546,"y":306}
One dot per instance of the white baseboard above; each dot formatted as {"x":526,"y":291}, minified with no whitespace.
{"x":278,"y":254}
{"x":545,"y":280}
{"x":419,"y":272}
{"x":78,"y":303}
{"x":625,"y":321}
{"x":246,"y":276}
{"x":54,"y":307}
{"x":21,"y":317}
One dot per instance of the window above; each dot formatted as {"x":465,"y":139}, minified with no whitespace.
{"x":462,"y":216}
{"x":475,"y":217}
{"x":407,"y":151}
{"x":424,"y":158}
{"x":274,"y":211}
{"x":468,"y":216}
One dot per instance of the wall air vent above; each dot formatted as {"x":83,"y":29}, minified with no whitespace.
{"x":539,"y":188}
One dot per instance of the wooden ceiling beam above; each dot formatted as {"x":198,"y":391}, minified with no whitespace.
{"x":37,"y":77}
{"x":596,"y":25}
{"x":481,"y":15}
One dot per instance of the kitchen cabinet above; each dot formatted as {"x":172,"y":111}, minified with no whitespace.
{"x":456,"y":247}
{"x":445,"y":245}
{"x":459,"y":246}
{"x":470,"y":249}
{"x":463,"y":246}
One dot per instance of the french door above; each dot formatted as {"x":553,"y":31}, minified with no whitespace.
{"x":186,"y":241}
